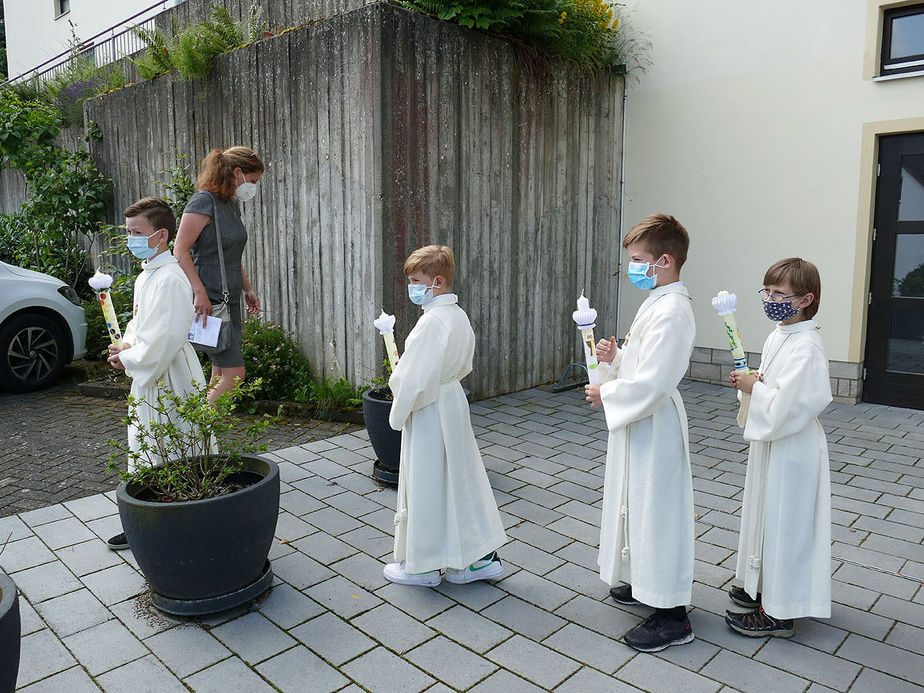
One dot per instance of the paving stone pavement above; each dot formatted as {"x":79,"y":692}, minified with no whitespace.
{"x":332,"y":623}
{"x":54,"y":447}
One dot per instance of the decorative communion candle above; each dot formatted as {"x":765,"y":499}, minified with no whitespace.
{"x":385,"y":324}
{"x":101,"y":283}
{"x":726,"y":306}
{"x":586,"y":317}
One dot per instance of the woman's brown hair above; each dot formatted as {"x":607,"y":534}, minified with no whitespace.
{"x":216,"y":173}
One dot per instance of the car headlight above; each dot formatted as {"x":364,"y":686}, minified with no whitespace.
{"x":69,"y":294}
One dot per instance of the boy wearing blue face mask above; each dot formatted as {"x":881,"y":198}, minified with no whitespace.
{"x":155,"y":349}
{"x":447,"y":518}
{"x":646,"y":531}
{"x":784,"y":549}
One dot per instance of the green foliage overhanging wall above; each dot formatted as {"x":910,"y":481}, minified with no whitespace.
{"x":583,"y":31}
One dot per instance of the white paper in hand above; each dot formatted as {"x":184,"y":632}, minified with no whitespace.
{"x":205,"y":330}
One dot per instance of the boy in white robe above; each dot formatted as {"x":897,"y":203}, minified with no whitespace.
{"x":784,"y":550}
{"x":155,"y":347}
{"x":646,"y":532}
{"x":447,"y":516}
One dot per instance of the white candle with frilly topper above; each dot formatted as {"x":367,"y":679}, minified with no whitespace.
{"x":385,"y":324}
{"x":726,"y":305}
{"x":101,"y":284}
{"x":585,"y":317}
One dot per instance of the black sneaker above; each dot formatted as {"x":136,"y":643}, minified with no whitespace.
{"x":118,"y":542}
{"x":742,"y":598}
{"x":623,"y":594}
{"x":660,"y":631}
{"x":758,"y":623}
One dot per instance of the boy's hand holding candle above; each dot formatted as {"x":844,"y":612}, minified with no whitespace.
{"x":101,"y":283}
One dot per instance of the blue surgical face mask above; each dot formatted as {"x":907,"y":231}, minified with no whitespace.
{"x":779,"y":310}
{"x":419,"y":294}
{"x":638,"y":275}
{"x":138,"y":245}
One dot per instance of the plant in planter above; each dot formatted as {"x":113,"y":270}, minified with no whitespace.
{"x":10,"y":629}
{"x":200,"y":525}
{"x":385,"y":440}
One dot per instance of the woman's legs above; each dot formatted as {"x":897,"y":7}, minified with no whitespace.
{"x":224,"y":380}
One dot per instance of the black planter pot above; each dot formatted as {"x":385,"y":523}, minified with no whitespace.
{"x":207,"y":555}
{"x":9,"y":634}
{"x":385,"y":440}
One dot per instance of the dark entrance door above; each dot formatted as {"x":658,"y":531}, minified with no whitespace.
{"x":895,"y":323}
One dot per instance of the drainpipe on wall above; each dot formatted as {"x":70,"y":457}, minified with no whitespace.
{"x":622,"y":202}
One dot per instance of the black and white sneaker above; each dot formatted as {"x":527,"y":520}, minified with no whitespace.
{"x":758,"y":624}
{"x":742,"y":598}
{"x":623,"y":595}
{"x":118,"y":543}
{"x":659,"y":631}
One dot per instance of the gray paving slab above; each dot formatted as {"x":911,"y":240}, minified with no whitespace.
{"x":381,"y":670}
{"x":451,"y":663}
{"x":298,"y":668}
{"x":121,"y":647}
{"x":469,"y":628}
{"x":253,"y":637}
{"x":42,"y":655}
{"x":332,"y":619}
{"x":333,"y":639}
{"x":187,"y":649}
{"x":228,"y":676}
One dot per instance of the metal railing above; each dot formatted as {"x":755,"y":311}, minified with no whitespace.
{"x":106,"y":47}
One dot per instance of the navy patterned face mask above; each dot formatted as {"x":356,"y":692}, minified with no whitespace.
{"x":779,"y":310}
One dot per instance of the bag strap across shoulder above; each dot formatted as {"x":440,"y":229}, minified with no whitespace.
{"x":221,"y":256}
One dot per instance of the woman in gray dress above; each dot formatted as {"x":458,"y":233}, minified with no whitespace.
{"x":225,"y":178}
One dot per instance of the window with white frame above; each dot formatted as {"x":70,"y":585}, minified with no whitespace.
{"x":62,"y":7}
{"x":902,"y":40}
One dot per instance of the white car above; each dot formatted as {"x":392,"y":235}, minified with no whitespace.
{"x":43,"y":327}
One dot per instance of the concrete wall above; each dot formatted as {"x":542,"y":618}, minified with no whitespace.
{"x":276,"y":14}
{"x":756,"y":128}
{"x":383,"y":130}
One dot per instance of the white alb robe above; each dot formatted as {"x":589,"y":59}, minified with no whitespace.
{"x":157,"y":335}
{"x":646,"y":532}
{"x":446,"y":516}
{"x":784,"y":550}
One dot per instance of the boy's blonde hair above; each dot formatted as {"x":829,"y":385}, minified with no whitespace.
{"x":801,"y":275}
{"x":432,"y":260}
{"x":661,"y":234}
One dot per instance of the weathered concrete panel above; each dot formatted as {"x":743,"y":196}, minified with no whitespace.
{"x":383,"y":130}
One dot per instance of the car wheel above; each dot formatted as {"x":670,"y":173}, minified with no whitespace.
{"x":32,"y":353}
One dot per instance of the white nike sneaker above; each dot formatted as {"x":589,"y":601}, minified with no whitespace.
{"x":397,"y":573}
{"x":485,"y":569}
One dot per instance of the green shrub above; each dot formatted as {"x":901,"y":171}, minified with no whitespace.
{"x":179,"y":185}
{"x":191,"y":50}
{"x":67,"y":195}
{"x":273,"y":356}
{"x":79,"y":80}
{"x":330,"y":395}
{"x":183,"y":431}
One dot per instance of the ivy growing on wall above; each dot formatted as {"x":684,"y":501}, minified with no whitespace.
{"x":66,"y":194}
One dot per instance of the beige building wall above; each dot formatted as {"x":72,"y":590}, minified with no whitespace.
{"x":756,"y":125}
